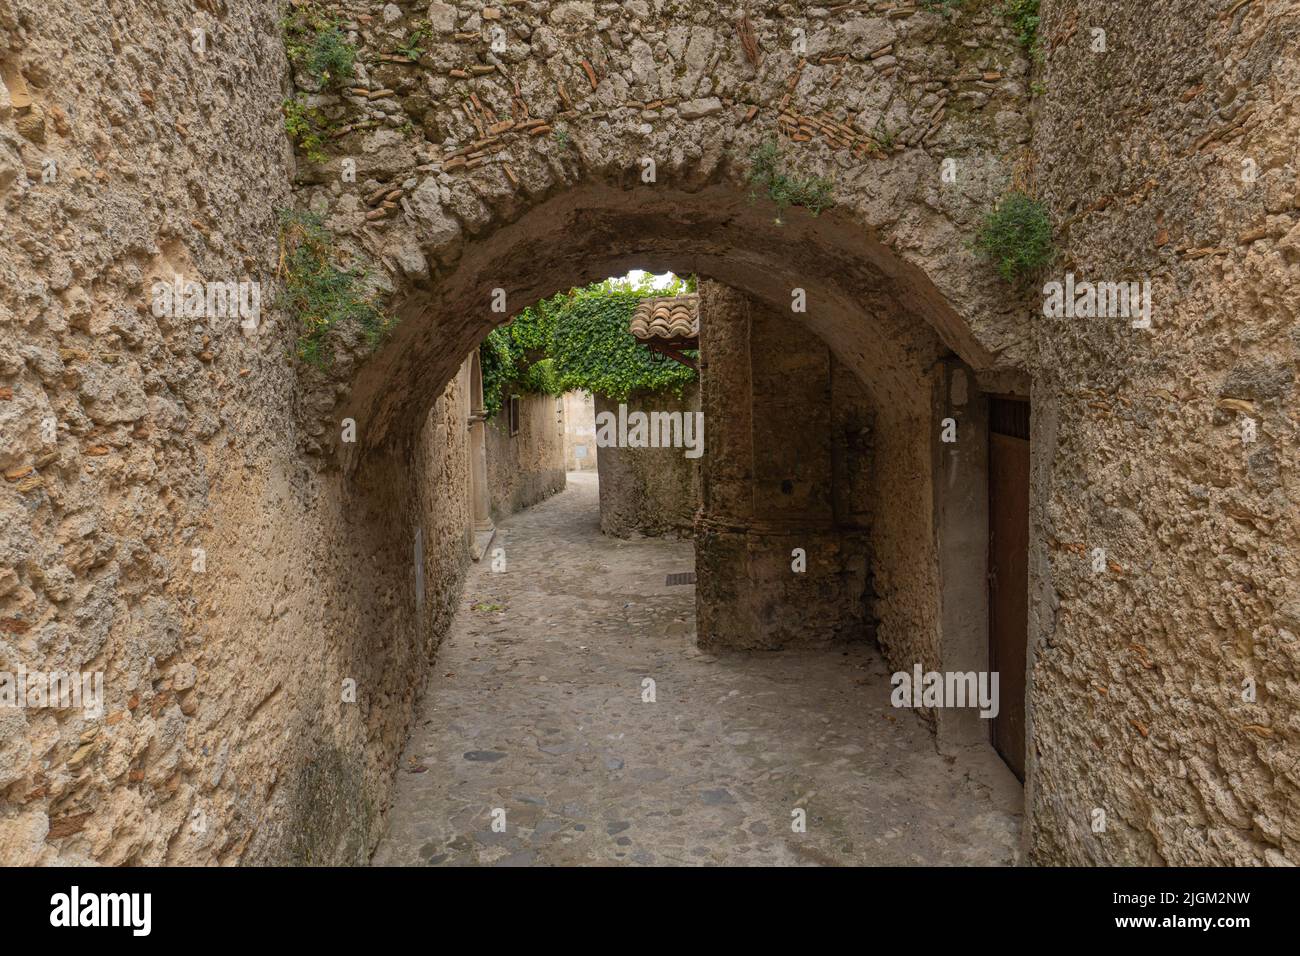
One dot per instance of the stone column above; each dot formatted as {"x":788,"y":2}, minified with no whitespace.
{"x":726,"y":398}
{"x":775,"y":565}
{"x":726,"y":477}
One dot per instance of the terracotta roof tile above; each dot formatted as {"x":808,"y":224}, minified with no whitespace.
{"x":667,"y":317}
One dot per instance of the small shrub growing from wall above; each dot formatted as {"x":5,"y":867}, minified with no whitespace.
{"x":307,"y":128}
{"x":320,"y":295}
{"x":316,"y":45}
{"x":1024,"y":17}
{"x":1017,"y":238}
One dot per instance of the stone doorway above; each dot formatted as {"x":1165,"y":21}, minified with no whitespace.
{"x":1008,"y":575}
{"x":480,"y":494}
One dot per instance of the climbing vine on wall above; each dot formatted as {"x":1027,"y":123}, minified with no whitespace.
{"x":594,"y":351}
{"x":580,"y":340}
{"x":515,"y":358}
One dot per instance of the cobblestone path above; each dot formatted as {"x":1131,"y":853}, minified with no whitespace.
{"x":535,"y":708}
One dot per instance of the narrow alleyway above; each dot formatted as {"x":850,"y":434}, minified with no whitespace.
{"x":535,"y":708}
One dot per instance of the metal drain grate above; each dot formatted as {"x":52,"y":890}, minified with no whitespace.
{"x":681,"y":577}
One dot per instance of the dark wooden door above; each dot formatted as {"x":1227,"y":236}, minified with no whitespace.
{"x":1009,"y":572}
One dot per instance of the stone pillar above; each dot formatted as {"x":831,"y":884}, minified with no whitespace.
{"x":726,"y":398}
{"x":722,"y":590}
{"x":773,"y":482}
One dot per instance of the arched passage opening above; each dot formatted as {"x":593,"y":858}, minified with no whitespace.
{"x":879,"y":318}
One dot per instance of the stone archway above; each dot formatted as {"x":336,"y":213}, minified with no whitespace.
{"x":880,"y":316}
{"x":560,"y":152}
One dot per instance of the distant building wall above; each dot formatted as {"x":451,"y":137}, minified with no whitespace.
{"x":579,"y":431}
{"x":527,"y":466}
{"x":652,"y":491}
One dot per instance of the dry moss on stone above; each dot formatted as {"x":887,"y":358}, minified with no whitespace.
{"x":765,"y":173}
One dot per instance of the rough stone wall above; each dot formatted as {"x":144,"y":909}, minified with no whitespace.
{"x":903,"y":546}
{"x":1173,"y":157}
{"x":223,"y":737}
{"x":526,"y":467}
{"x":651,"y":491}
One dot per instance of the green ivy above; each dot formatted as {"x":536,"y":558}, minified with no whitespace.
{"x":317,"y":293}
{"x":515,"y":358}
{"x":541,"y":377}
{"x":1017,"y":237}
{"x":579,"y":340}
{"x":594,"y":351}
{"x":316,"y":44}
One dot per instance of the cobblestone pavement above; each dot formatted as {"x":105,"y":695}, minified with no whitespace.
{"x":535,"y":708}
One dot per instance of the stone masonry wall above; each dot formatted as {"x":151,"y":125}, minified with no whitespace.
{"x":1172,"y":157}
{"x":778,"y":478}
{"x":506,"y":151}
{"x":169,"y":530}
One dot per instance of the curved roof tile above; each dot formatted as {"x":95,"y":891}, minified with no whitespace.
{"x":667,"y":317}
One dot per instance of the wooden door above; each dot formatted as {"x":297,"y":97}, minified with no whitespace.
{"x":1009,"y":572}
